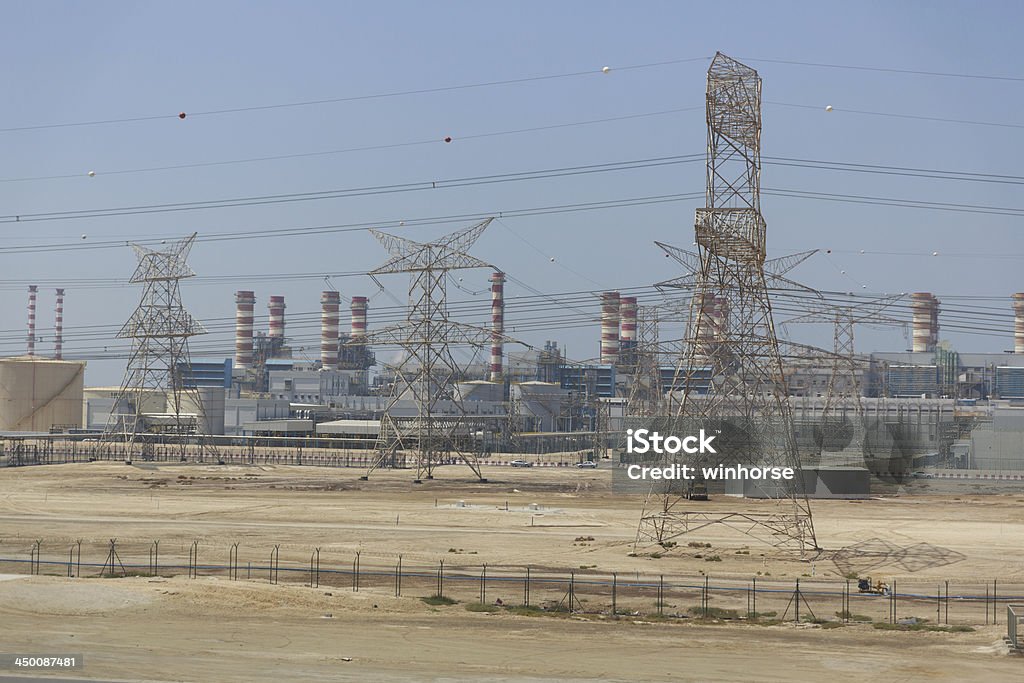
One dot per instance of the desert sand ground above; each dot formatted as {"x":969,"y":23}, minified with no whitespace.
{"x":173,"y":628}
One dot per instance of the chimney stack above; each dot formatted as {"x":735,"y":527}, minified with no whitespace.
{"x":32,"y":289}
{"x":245,"y":301}
{"x":276,"y":307}
{"x":925,"y":309}
{"x":58,"y":327}
{"x":1018,"y":322}
{"x":610,"y":328}
{"x":627,"y":305}
{"x":358,"y":308}
{"x":330,"y":304}
{"x":497,"y":324}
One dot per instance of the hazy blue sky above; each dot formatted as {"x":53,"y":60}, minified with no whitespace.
{"x":75,"y":62}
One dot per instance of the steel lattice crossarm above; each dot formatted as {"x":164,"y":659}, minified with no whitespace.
{"x":166,"y":264}
{"x":456,"y":334}
{"x":446,"y":253}
{"x":774,"y":270}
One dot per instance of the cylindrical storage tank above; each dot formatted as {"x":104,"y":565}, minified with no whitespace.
{"x":32,"y":289}
{"x":330,"y":305}
{"x":610,"y":328}
{"x":925,"y":311}
{"x":358,"y":308}
{"x":58,"y":327}
{"x":276,"y":308}
{"x":497,"y":324}
{"x":1018,"y":322}
{"x":628,"y":308}
{"x":211,"y":413}
{"x":245,"y":302}
{"x":37,"y":394}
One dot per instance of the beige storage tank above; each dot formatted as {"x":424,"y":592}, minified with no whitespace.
{"x":40,"y":394}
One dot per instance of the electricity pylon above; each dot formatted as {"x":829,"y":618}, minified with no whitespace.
{"x":426,"y":417}
{"x":737,"y":380}
{"x":158,"y":400}
{"x":835,"y":429}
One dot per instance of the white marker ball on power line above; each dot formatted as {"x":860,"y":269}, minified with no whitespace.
{"x":605,"y":69}
{"x":401,"y":222}
{"x":91,"y":174}
{"x":863,"y":286}
{"x":843,"y":272}
{"x":552,"y":259}
{"x":935,"y":253}
{"x":828,"y":107}
{"x":83,"y":237}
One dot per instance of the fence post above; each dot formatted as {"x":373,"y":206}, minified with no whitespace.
{"x":995,"y":603}
{"x":754,"y":597}
{"x":661,"y":595}
{"x":355,"y":571}
{"x":947,"y":602}
{"x":440,"y":580}
{"x":398,"y":578}
{"x":526,"y":589}
{"x":483,"y":586}
{"x":986,"y":603}
{"x":615,"y":586}
{"x":704,"y":598}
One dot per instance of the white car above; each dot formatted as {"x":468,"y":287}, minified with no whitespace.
{"x":588,"y":465}
{"x":521,"y":463}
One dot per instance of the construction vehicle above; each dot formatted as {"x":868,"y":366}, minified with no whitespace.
{"x":877,"y":588}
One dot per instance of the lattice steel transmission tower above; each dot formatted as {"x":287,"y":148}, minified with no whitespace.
{"x":842,"y":411}
{"x":425,"y":417}
{"x":645,"y":391}
{"x":158,"y":400}
{"x":738,"y":379}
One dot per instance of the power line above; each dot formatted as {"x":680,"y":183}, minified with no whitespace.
{"x":882,"y":69}
{"x":365,"y":148}
{"x":864,"y":112}
{"x":351,"y":98}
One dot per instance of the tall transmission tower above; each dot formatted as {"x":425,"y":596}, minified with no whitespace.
{"x":158,"y":399}
{"x":842,"y":410}
{"x":645,"y":390}
{"x":426,"y":418}
{"x":738,"y":378}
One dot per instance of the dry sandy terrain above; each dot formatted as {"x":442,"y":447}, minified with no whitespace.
{"x":172,"y":628}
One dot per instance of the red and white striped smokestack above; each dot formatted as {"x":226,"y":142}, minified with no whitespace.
{"x":610,"y":328}
{"x":32,"y":289}
{"x":359,"y":307}
{"x":276,"y":306}
{"x":706,"y":327}
{"x":1018,"y":322}
{"x":925,"y":308}
{"x":627,"y":305}
{"x":497,"y":324}
{"x":330,"y":304}
{"x":58,"y":327}
{"x":245,"y":302}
